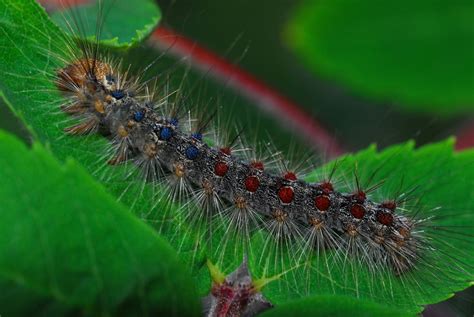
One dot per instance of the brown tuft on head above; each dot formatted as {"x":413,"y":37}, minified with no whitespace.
{"x":80,"y":72}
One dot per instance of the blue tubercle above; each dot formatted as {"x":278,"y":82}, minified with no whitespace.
{"x":197,"y":136}
{"x":118,"y":94}
{"x":138,"y":116}
{"x":166,"y":133}
{"x":110,"y":78}
{"x":174,"y":122}
{"x":191,"y":152}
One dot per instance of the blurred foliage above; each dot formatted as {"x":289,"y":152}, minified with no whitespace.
{"x":64,"y":252}
{"x":416,"y":53}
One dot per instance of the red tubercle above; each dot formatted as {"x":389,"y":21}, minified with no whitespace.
{"x":257,"y":165}
{"x":359,"y":196}
{"x":221,"y":168}
{"x":326,"y":187}
{"x":290,"y":176}
{"x":358,"y":211}
{"x":389,"y":204}
{"x":385,"y":218}
{"x":226,"y":150}
{"x":252,"y":183}
{"x":322,"y":202}
{"x":286,"y":194}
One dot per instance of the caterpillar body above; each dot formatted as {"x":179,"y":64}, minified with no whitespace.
{"x":104,"y":102}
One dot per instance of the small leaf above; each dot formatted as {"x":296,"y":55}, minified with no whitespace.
{"x":69,"y":246}
{"x":121,"y":25}
{"x":417,"y":54}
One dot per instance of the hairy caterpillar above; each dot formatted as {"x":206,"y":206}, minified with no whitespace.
{"x":104,"y":101}
{"x":107,"y":103}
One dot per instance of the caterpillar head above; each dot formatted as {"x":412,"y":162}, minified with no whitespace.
{"x":84,"y":73}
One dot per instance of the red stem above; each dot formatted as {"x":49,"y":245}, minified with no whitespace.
{"x":465,"y":137}
{"x":247,"y":85}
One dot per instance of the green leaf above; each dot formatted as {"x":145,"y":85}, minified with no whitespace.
{"x":122,"y":25}
{"x":334,"y":306}
{"x":67,"y":246}
{"x":417,"y":54}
